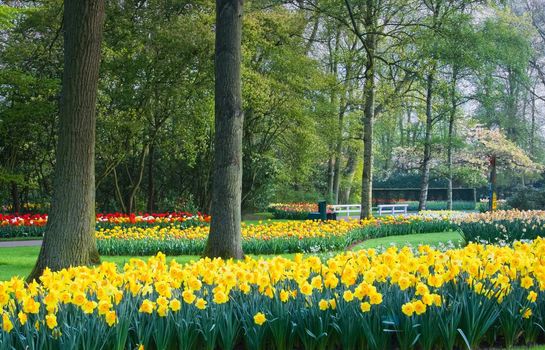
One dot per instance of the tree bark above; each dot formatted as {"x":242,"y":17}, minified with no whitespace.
{"x":69,"y":238}
{"x":368,"y":121}
{"x":339,"y":148}
{"x":225,"y":239}
{"x":533,"y":125}
{"x":135,"y":186}
{"x":118,"y":194}
{"x":511,"y":106}
{"x":349,"y":173}
{"x":15,"y":198}
{"x":151,"y":182}
{"x":451,"y":135}
{"x":331,"y":174}
{"x":425,"y":174}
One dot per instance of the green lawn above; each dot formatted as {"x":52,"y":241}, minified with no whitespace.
{"x":432,"y":239}
{"x":19,"y":261}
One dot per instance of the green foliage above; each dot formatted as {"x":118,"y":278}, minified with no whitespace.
{"x":302,"y":69}
{"x":7,"y":14}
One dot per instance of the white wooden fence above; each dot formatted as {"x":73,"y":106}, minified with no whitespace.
{"x":353,"y":211}
{"x":347,"y":211}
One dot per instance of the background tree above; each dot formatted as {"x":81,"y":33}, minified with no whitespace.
{"x":303,"y":91}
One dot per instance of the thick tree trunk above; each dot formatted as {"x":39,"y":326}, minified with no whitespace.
{"x":15,"y":198}
{"x":225,"y":238}
{"x":425,"y":174}
{"x":451,"y":135}
{"x":69,"y":238}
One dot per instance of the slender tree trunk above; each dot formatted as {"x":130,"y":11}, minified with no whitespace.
{"x":225,"y":238}
{"x":69,"y":238}
{"x":313,"y":33}
{"x":330,"y":175}
{"x":118,"y":194}
{"x":15,"y":198}
{"x":401,"y":130}
{"x":337,"y":173}
{"x":425,"y":175}
{"x":368,"y":120}
{"x":533,"y":126}
{"x":151,"y":182}
{"x":511,"y":107}
{"x":131,"y":198}
{"x":349,"y":173}
{"x":451,"y":135}
{"x":334,"y":158}
{"x":410,"y":142}
{"x":338,"y":151}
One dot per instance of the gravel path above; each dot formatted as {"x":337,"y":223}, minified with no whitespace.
{"x":11,"y":244}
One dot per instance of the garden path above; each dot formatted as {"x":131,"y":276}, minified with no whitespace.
{"x":29,"y":243}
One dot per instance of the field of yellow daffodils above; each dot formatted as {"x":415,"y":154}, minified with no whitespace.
{"x":294,"y":236}
{"x":424,"y":299}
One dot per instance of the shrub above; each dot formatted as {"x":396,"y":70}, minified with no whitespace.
{"x":442,"y":205}
{"x":527,"y":198}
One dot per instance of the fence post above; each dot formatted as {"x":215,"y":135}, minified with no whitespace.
{"x":322,"y":208}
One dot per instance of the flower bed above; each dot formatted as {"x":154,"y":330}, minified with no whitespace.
{"x":267,"y":238}
{"x":33,"y":225}
{"x":502,"y":226}
{"x":426,"y":299}
{"x":292,"y":211}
